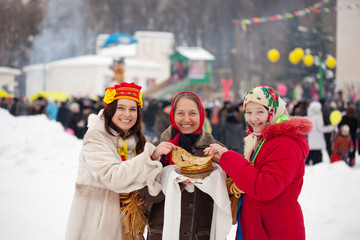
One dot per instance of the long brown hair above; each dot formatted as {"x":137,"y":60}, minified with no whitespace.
{"x":109,"y":112}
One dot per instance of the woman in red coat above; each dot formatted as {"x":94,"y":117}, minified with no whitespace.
{"x":270,"y":174}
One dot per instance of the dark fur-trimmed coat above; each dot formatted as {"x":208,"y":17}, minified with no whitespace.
{"x":270,"y":207}
{"x":196,"y":207}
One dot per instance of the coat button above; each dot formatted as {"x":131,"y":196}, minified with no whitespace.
{"x":187,"y":234}
{"x":190,"y":205}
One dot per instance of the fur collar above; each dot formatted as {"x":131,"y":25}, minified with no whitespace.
{"x":295,"y":126}
{"x":205,"y":138}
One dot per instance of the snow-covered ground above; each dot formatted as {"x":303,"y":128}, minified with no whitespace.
{"x":38,"y":164}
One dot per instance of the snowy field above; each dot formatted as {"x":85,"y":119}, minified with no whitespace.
{"x":38,"y":164}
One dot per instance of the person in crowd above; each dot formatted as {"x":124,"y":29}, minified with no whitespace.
{"x":51,"y":109}
{"x":351,"y":120}
{"x":343,"y":144}
{"x":162,"y":119}
{"x":214,"y":119}
{"x":64,"y":114}
{"x":300,"y":109}
{"x":326,"y":111}
{"x":149,"y":118}
{"x":14,"y":106}
{"x":270,"y":174}
{"x":115,"y":162}
{"x":76,"y":125}
{"x":207,"y":123}
{"x":233,"y":134}
{"x":222,"y":119}
{"x":316,"y":136}
{"x":184,"y":209}
{"x":38,"y":106}
{"x":358,"y":133}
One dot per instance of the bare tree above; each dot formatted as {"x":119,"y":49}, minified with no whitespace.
{"x":20,"y":22}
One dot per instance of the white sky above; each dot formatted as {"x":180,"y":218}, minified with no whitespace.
{"x":38,"y":165}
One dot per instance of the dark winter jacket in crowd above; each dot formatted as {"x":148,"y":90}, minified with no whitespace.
{"x":78,"y":124}
{"x":161,"y":123}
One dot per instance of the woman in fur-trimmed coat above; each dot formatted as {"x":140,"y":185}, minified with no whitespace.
{"x":115,"y":160}
{"x":270,"y":174}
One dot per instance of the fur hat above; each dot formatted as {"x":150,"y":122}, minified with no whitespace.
{"x":123,"y":90}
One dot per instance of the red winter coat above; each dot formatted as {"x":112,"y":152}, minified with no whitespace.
{"x":270,"y":208}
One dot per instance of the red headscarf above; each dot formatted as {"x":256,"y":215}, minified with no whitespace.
{"x":179,"y":139}
{"x":201,"y":110}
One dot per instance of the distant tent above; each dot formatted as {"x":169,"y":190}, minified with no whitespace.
{"x":57,"y":96}
{"x":119,"y":39}
{"x":5,"y":94}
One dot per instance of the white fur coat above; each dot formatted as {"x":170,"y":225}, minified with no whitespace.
{"x":95,"y":211}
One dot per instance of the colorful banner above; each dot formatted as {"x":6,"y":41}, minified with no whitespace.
{"x":316,"y":8}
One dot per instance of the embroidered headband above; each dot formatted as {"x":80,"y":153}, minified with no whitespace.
{"x":123,"y":90}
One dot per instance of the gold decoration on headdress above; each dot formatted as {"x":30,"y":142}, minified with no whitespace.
{"x":109,"y":96}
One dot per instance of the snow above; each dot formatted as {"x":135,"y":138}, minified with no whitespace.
{"x":38,"y":165}
{"x":9,"y":71}
{"x":128,"y":50}
{"x":195,"y":53}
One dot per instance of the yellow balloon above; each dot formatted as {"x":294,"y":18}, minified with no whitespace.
{"x":293,"y":59}
{"x":299,"y":53}
{"x":331,"y":62}
{"x":308,"y":60}
{"x":273,"y":55}
{"x":335,"y":117}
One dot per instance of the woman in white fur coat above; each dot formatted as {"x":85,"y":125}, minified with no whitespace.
{"x":115,"y":162}
{"x":316,"y":136}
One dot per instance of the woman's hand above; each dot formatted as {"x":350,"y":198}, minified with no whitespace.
{"x":215,"y":149}
{"x":163,"y":148}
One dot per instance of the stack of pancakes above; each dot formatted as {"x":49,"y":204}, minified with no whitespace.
{"x":190,"y":164}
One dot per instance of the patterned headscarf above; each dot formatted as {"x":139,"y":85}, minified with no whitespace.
{"x":269,"y":98}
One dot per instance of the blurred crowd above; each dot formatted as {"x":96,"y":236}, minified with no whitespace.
{"x":224,"y":120}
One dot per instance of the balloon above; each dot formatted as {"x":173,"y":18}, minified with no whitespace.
{"x":308,"y":60}
{"x":335,"y":117}
{"x":331,"y":62}
{"x":282,"y":89}
{"x":293,"y":58}
{"x":273,"y":55}
{"x":299,"y":53}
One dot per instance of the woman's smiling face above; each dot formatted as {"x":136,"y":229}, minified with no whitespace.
{"x":256,"y":115}
{"x":126,"y":114}
{"x":187,"y":116}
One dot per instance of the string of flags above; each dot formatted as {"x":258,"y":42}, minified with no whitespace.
{"x":315,"y":8}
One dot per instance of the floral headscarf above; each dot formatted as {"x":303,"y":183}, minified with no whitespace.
{"x":269,"y":98}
